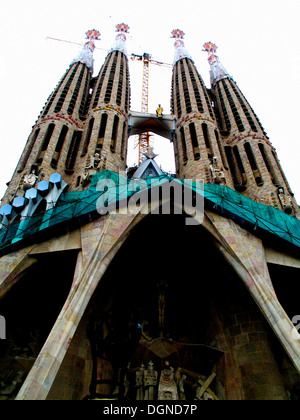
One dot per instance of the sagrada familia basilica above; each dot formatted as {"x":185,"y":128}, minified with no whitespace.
{"x":128,"y":283}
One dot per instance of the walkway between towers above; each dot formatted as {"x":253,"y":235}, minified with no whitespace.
{"x":140,"y":122}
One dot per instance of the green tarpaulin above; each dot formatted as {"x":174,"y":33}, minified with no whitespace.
{"x":109,"y":189}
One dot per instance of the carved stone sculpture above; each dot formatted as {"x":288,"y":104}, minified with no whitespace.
{"x":217,"y":173}
{"x":30,"y":180}
{"x":140,"y":383}
{"x":94,"y":164}
{"x":150,"y":381}
{"x":167,"y":389}
{"x":285,"y":201}
{"x":181,"y":380}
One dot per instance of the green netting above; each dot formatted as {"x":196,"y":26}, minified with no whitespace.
{"x":109,"y":189}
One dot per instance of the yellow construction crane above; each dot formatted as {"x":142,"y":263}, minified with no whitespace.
{"x":144,"y":139}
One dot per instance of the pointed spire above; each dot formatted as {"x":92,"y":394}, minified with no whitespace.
{"x":180,"y":50}
{"x":120,"y":45}
{"x":86,"y":55}
{"x":217,"y":70}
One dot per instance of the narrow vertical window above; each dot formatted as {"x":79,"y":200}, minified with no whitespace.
{"x":224,"y":110}
{"x":207,"y":141}
{"x":59,"y":146}
{"x":240,"y":165}
{"x":194,"y":140}
{"x":253,"y":164}
{"x":102,"y":130}
{"x":268,"y":163}
{"x":114,"y":134}
{"x":88,"y":137}
{"x":47,"y":137}
{"x":232,"y":166}
{"x":78,"y":182}
{"x":221,"y":149}
{"x":183,"y":143}
{"x":45,"y":143}
{"x":73,"y":150}
{"x":123,"y":145}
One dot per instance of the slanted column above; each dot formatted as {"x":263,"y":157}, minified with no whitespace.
{"x":100,"y":242}
{"x":246,"y":254}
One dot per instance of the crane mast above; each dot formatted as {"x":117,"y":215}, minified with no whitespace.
{"x":144,"y":138}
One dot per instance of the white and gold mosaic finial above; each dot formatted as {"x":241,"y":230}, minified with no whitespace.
{"x":217,"y":70}
{"x":120,"y":44}
{"x":180,"y":50}
{"x":86,"y":55}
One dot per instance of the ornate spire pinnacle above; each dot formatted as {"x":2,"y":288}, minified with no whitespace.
{"x":122,"y":29}
{"x":180,"y":50}
{"x":86,"y":55}
{"x":217,"y":70}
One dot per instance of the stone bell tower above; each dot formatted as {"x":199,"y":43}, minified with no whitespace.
{"x":106,"y":291}
{"x":219,"y":138}
{"x":251,"y":159}
{"x":54,"y":142}
{"x":198,"y":148}
{"x":83,"y":126}
{"x":109,"y":107}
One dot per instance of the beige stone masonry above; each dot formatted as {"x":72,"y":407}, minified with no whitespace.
{"x":13,"y":266}
{"x":99,"y":242}
{"x":98,"y":251}
{"x":246,"y":255}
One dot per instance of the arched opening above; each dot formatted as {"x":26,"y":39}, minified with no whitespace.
{"x":169,"y":296}
{"x":30,"y":309}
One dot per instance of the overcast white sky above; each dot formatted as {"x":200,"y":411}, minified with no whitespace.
{"x":258,"y":44}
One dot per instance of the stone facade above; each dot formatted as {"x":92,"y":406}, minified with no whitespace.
{"x":112,"y":322}
{"x":218,"y":129}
